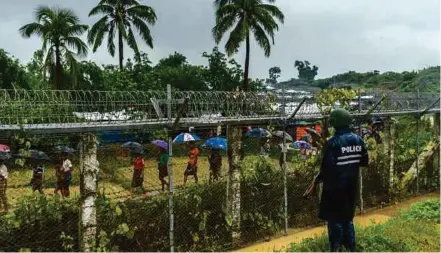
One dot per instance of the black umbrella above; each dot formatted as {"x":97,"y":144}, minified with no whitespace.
{"x":64,"y":149}
{"x":279,"y":134}
{"x":34,"y":154}
{"x":5,"y":155}
{"x":133,"y":147}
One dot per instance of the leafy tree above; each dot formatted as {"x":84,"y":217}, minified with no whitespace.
{"x":121,"y":16}
{"x":176,"y":71}
{"x":222,"y":74}
{"x":246,"y":17}
{"x":306,"y":72}
{"x":274,"y":74}
{"x":36,"y":71}
{"x":12,"y":74}
{"x":59,"y":30}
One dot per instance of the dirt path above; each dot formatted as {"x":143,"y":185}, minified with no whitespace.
{"x":295,"y":236}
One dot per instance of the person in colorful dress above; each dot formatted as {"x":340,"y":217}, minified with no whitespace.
{"x":192,"y":165}
{"x":163,"y":167}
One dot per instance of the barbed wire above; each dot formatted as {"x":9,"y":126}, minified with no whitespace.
{"x":98,"y":110}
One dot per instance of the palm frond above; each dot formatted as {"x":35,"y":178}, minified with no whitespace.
{"x":143,"y":12}
{"x":72,"y":64}
{"x":33,"y":28}
{"x":131,"y":41}
{"x":44,"y":13}
{"x":67,"y":15}
{"x":262,"y":39}
{"x":101,"y":9}
{"x":110,"y":38}
{"x":76,"y":29}
{"x":95,"y":29}
{"x":237,"y":36}
{"x":143,"y":30}
{"x":127,"y":3}
{"x":77,"y":44}
{"x":274,"y":11}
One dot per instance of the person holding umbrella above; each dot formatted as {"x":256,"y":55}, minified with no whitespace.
{"x":192,"y":165}
{"x":3,"y":185}
{"x":215,"y":160}
{"x":59,"y":175}
{"x":37,"y":177}
{"x":162,"y":159}
{"x":138,"y":171}
{"x":215,"y":144}
{"x":163,"y":166}
{"x":66,"y":174}
{"x":344,"y":153}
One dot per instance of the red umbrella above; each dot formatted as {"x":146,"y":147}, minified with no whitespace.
{"x":4,"y":148}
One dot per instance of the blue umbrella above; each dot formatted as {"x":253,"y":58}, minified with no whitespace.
{"x":216,"y":143}
{"x":64,"y":149}
{"x":133,"y":146}
{"x":186,"y":137}
{"x":298,"y":144}
{"x":161,"y":144}
{"x":258,"y":132}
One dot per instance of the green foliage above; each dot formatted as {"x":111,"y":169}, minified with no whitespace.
{"x":59,"y":30}
{"x":40,"y":223}
{"x":120,"y":17}
{"x":12,"y":74}
{"x":413,"y":231}
{"x":428,"y":210}
{"x":306,"y":72}
{"x":263,"y":216}
{"x":246,"y":18}
{"x":426,"y":79}
{"x":330,"y":97}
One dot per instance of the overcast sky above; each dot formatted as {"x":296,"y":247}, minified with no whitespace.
{"x":335,"y":35}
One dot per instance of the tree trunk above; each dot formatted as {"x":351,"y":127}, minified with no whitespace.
{"x":424,"y":157}
{"x":121,"y":50}
{"x":89,"y":169}
{"x":58,"y":70}
{"x":234,"y":172}
{"x":389,"y":143}
{"x":247,"y":63}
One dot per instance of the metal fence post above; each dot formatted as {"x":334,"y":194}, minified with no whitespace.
{"x":418,"y":144}
{"x":361,"y":172}
{"x":170,"y":169}
{"x":88,"y":189}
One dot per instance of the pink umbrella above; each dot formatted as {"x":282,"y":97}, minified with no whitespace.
{"x":4,"y":148}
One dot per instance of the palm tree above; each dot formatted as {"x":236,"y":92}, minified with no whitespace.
{"x":121,"y":16}
{"x":245,"y":17}
{"x":59,"y":30}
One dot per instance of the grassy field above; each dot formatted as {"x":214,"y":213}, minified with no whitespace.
{"x":115,"y":176}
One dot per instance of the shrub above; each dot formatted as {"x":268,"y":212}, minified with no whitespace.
{"x":411,"y":231}
{"x":428,"y":210}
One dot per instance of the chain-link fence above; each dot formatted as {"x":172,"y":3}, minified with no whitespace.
{"x":110,"y":200}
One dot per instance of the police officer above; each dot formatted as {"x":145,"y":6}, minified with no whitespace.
{"x":344,"y":153}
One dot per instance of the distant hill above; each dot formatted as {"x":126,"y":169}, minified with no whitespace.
{"x":427,"y":79}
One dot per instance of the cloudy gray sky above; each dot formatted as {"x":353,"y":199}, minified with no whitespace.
{"x":336,"y":35}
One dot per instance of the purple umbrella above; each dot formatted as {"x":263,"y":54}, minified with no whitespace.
{"x":161,"y":144}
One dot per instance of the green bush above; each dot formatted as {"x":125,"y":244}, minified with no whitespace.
{"x":38,"y":223}
{"x":428,"y":210}
{"x":412,"y":231}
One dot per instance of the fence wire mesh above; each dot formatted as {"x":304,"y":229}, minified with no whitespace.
{"x":205,"y":213}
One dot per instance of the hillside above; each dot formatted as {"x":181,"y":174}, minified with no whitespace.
{"x":427,"y":79}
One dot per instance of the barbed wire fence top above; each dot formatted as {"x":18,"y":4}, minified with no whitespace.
{"x":97,"y":110}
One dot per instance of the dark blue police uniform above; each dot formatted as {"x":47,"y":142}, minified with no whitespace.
{"x":344,"y":153}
